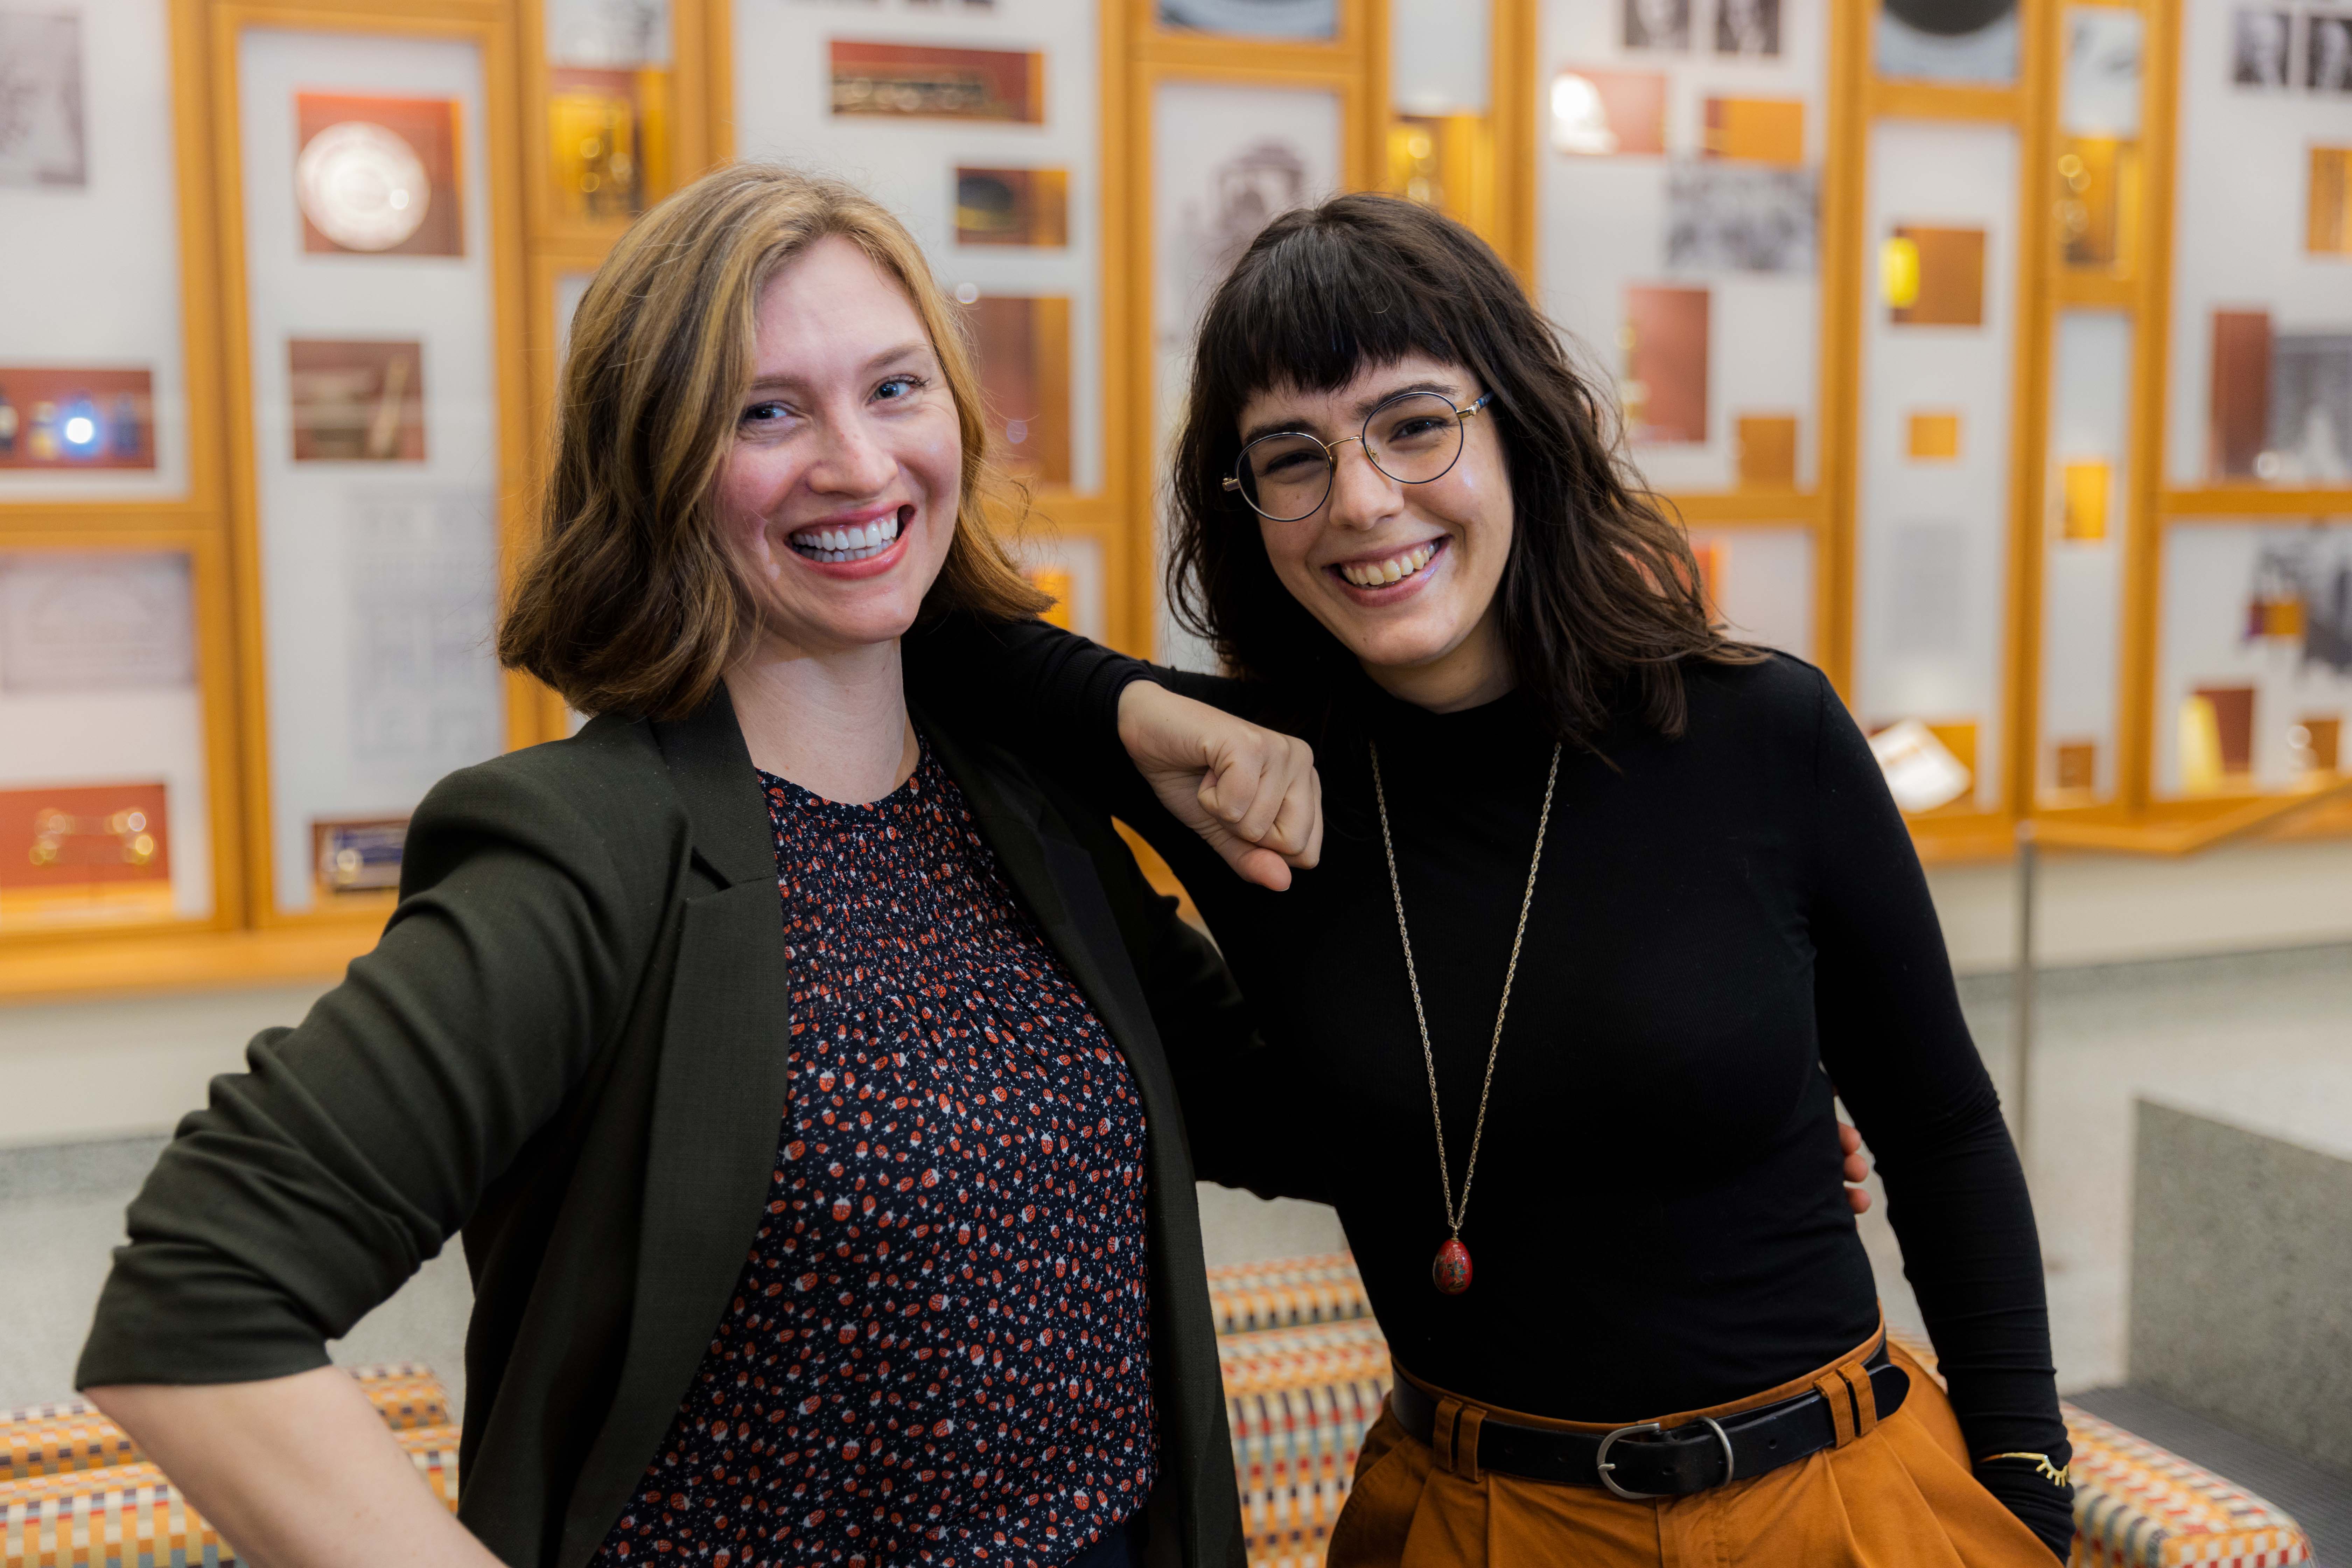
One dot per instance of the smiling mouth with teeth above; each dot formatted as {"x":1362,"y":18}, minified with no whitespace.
{"x":1395,"y":569}
{"x":837,"y":544}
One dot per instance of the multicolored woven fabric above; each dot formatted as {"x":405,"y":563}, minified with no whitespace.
{"x":78,"y":1495}
{"x":1287,"y":1293}
{"x":2139,"y":1506}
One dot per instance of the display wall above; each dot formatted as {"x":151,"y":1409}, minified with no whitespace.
{"x":1999,"y":362}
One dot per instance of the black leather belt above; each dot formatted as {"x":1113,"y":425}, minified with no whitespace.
{"x":1646,"y":1459}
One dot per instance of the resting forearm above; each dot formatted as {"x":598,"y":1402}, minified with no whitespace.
{"x":297,"y":1472}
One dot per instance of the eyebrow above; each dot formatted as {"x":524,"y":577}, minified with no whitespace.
{"x":1362,"y":410}
{"x":888,"y":356}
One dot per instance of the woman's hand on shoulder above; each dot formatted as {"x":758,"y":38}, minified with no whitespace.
{"x":1857,"y":1169}
{"x":1252,"y":794}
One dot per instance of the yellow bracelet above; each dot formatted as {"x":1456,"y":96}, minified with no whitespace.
{"x":2058,"y":1475}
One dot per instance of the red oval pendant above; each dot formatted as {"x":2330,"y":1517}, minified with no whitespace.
{"x":1450,"y":1269}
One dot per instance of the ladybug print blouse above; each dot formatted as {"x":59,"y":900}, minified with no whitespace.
{"x":937,"y":1351}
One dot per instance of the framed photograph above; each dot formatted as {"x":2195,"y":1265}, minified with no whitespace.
{"x":84,"y":853}
{"x":2100,"y":94}
{"x":2310,"y":410}
{"x":1254,"y":18}
{"x":1748,"y":29}
{"x":1658,"y":23}
{"x":2327,"y":54}
{"x":1949,"y":40}
{"x":1013,"y":206}
{"x":1740,"y":218}
{"x":924,"y":81}
{"x":1665,"y":389}
{"x":378,"y":176}
{"x":2259,"y":45}
{"x":42,"y":141}
{"x":95,"y":621}
{"x":357,"y":402}
{"x":61,"y":418}
{"x":1607,"y":114}
{"x":357,"y":854}
{"x":1935,"y":276}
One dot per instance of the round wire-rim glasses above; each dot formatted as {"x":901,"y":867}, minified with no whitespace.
{"x":1413,"y":437}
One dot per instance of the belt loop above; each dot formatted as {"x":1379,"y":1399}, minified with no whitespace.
{"x":1832,"y":1388}
{"x":1441,"y":1430}
{"x":1866,"y":1397}
{"x":1465,"y":1444}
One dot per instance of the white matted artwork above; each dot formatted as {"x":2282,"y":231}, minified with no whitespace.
{"x":1225,"y":159}
{"x":2254,"y":306}
{"x":908,"y":162}
{"x":90,"y":209}
{"x":2081,"y":597}
{"x":1682,"y":190}
{"x":2100,"y":93}
{"x":1932,"y":520}
{"x":376,"y":590}
{"x":42,"y":141}
{"x":98,"y":685}
{"x":2255,"y":656}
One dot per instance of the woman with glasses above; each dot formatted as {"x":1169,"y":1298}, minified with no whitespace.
{"x":1606,"y":902}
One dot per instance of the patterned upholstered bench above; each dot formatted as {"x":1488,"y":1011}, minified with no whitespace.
{"x":75,"y":1493}
{"x":1306,"y":1370}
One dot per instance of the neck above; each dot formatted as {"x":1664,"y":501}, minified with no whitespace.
{"x":833,"y":723}
{"x":1472,"y":674}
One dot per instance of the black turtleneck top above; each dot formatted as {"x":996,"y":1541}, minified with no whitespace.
{"x":1724,"y":926}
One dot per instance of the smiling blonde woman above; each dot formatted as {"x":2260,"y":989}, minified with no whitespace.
{"x":801,"y":1070}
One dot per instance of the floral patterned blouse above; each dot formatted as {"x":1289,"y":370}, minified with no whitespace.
{"x":937,"y":1352}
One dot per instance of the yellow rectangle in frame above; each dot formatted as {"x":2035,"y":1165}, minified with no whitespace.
{"x":1768,"y":451}
{"x":1934,"y":277}
{"x":2082,"y":489}
{"x":2328,"y":207}
{"x":1756,"y":130}
{"x":1933,"y":437}
{"x":1055,"y":581}
{"x":2077,"y":769}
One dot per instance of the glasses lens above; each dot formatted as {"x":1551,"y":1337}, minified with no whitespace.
{"x":1415,"y":439}
{"x":1284,"y":477}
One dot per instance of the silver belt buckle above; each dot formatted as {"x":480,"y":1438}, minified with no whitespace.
{"x":1600,"y":1460}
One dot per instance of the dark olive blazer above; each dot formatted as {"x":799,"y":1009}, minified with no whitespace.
{"x":571,"y":1042}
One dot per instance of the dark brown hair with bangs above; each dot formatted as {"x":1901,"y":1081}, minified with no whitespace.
{"x":1601,"y":599}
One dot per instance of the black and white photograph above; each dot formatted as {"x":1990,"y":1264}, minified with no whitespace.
{"x":1748,"y":29}
{"x":1657,"y":24}
{"x":2259,"y":44}
{"x":41,"y":140}
{"x":2311,"y":410}
{"x":2327,"y":55}
{"x":1740,"y":218}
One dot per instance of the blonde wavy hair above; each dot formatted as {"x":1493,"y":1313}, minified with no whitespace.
{"x":631,"y":602}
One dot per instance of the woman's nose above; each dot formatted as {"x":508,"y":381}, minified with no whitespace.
{"x":851,"y":462}
{"x":1361,"y":496}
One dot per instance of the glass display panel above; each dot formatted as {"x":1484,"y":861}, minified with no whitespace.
{"x":1933,"y":500}
{"x":1760,"y":583}
{"x":1700,"y":133}
{"x":2090,"y":411}
{"x":2254,"y":672}
{"x":375,"y":444}
{"x":1964,"y":41}
{"x":608,"y":105}
{"x":93,"y":400}
{"x":1253,"y":18}
{"x":989,"y":147}
{"x":2260,"y":389}
{"x":1225,"y":161}
{"x":105,"y":810}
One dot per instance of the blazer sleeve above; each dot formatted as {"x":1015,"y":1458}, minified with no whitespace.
{"x":317,"y":1181}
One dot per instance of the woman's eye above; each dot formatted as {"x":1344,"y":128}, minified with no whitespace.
{"x":764,"y":413}
{"x":899,"y":388}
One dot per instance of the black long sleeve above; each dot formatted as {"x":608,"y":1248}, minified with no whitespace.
{"x":1723,"y":925}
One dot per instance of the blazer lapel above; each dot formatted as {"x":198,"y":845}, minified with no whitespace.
{"x":719,"y":1097}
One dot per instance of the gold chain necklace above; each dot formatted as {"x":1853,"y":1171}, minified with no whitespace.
{"x":1450,"y":1269}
